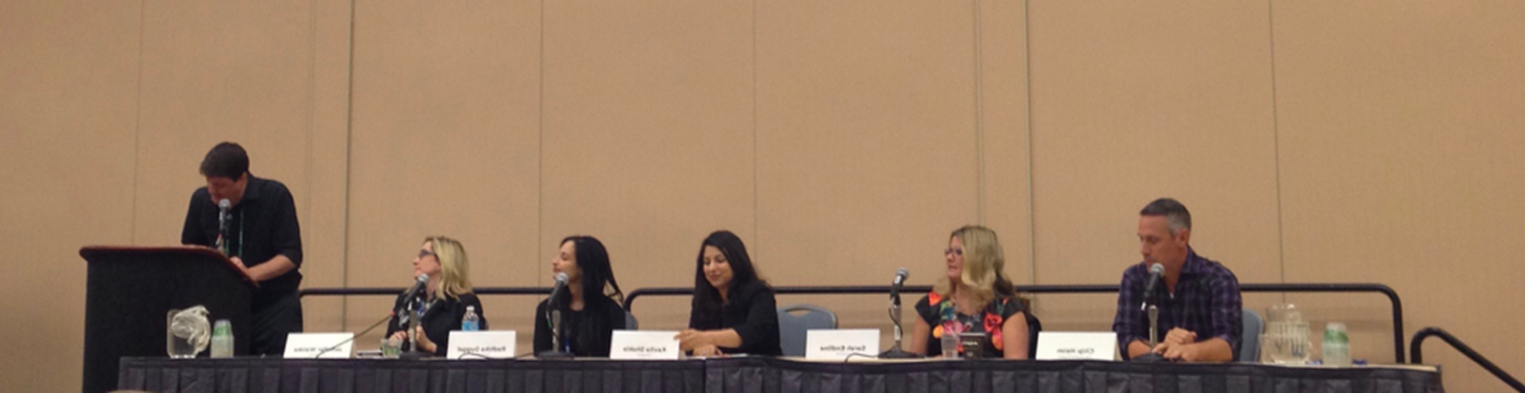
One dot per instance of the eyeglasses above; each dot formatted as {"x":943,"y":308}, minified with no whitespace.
{"x":954,"y":251}
{"x":425,"y":253}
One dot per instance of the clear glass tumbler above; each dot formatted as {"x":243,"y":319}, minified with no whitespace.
{"x":950,"y":345}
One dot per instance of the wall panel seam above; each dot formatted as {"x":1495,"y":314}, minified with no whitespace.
{"x":349,"y":127}
{"x":756,"y":216}
{"x":1281,"y":238}
{"x":137,"y":127}
{"x":979,"y":119}
{"x":1032,"y":211}
{"x":540,"y":158}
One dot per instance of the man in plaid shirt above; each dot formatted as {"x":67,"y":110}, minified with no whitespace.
{"x":1199,"y":303}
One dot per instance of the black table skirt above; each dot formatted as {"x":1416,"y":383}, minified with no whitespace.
{"x":255,"y":375}
{"x":750,"y":375}
{"x":763,"y":375}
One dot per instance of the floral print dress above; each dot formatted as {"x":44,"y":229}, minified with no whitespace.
{"x":939,"y":312}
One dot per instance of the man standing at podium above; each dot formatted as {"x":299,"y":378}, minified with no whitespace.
{"x":261,"y":236}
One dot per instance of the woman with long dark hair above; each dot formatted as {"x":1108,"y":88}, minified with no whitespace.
{"x":734,"y":310}
{"x":590,"y":305}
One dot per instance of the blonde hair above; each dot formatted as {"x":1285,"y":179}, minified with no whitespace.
{"x":984,"y":265}
{"x":455,"y":277}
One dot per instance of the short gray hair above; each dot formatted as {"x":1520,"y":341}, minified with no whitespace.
{"x":1176,"y":216}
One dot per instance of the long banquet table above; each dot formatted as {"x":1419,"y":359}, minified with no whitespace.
{"x":753,"y":375}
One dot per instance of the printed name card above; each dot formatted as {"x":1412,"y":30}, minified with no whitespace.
{"x":492,"y":344}
{"x":1077,"y":346}
{"x":838,"y":344}
{"x":319,"y":345}
{"x":644,"y":345}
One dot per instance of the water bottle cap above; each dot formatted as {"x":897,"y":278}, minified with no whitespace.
{"x":471,"y":308}
{"x":1335,"y":326}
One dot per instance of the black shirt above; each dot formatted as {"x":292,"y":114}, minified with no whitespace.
{"x":589,"y":331}
{"x":440,"y":317}
{"x":264,"y":225}
{"x":751,"y":311}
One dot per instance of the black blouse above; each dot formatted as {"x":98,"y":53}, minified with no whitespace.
{"x":589,"y":331}
{"x":439,"y":319}
{"x":751,"y":311}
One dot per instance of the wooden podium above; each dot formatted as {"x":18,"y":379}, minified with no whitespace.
{"x":130,"y":290}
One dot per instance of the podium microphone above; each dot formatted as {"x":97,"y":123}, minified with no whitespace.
{"x":896,"y":352}
{"x":223,"y":206}
{"x":560,"y":348}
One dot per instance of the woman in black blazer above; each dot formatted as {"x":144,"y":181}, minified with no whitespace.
{"x":445,"y":300}
{"x":733,"y":311}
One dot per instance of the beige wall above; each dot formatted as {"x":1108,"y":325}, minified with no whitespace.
{"x":1361,"y":141}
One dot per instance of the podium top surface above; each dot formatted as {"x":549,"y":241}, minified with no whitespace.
{"x":100,"y":252}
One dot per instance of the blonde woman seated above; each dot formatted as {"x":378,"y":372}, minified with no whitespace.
{"x":445,"y":298}
{"x":974,"y":297}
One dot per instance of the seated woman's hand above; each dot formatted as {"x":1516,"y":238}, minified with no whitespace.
{"x":707,"y":351}
{"x":690,"y":339}
{"x":423,"y":340}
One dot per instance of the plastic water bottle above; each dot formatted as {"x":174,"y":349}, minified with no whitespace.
{"x":1336,"y":345}
{"x":222,"y":339}
{"x":471,"y":322}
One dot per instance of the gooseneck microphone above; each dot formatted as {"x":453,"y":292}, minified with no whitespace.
{"x":896,"y":352}
{"x":560,"y":347}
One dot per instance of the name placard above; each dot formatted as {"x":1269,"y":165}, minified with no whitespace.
{"x":644,"y":345}
{"x":492,"y":344}
{"x":838,"y":344}
{"x":1077,"y":346}
{"x":319,"y":345}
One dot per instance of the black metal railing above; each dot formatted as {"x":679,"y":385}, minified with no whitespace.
{"x":1392,"y":296}
{"x":1422,"y":334}
{"x":399,"y":290}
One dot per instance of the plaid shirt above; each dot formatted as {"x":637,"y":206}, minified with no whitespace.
{"x":1206,"y":301}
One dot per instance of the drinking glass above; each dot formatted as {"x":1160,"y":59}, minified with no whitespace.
{"x":391,"y":348}
{"x":950,"y":345}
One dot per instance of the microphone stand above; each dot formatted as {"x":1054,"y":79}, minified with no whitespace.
{"x":222,"y":231}
{"x":414,"y":352}
{"x":1154,"y":330}
{"x":897,"y":352}
{"x":560,"y":348}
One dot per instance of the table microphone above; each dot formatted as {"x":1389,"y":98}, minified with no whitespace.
{"x":553,"y":309}
{"x":896,"y":352}
{"x":1156,"y":274}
